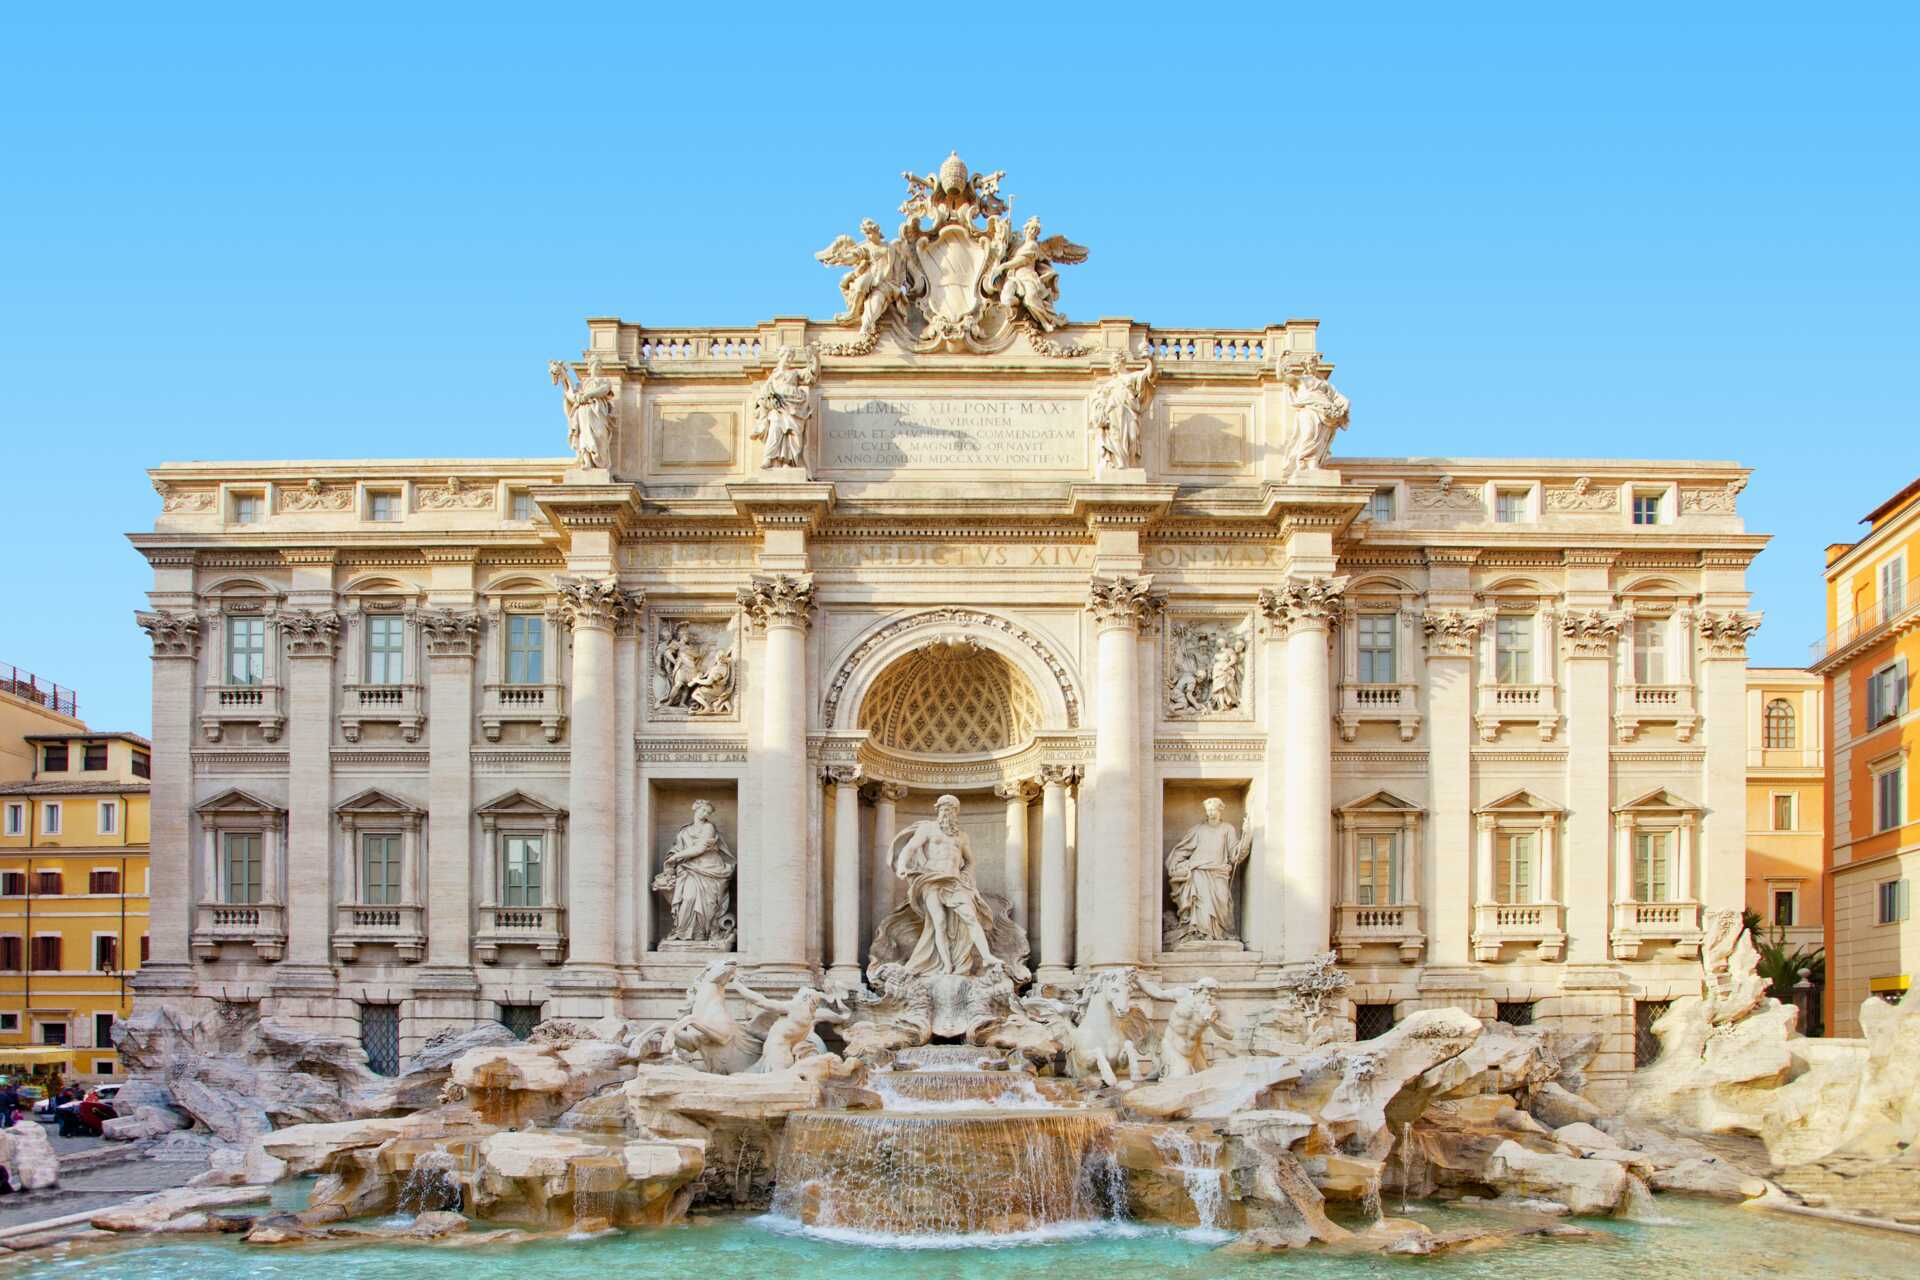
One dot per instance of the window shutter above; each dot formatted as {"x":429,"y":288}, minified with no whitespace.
{"x":1898,"y":702}
{"x":1901,"y":899}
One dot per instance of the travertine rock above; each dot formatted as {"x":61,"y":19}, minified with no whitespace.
{"x":146,"y":1213}
{"x":1238,"y":1084}
{"x":1585,"y":1186}
{"x":25,"y":1151}
{"x":1557,"y":1107}
{"x":136,"y":1123}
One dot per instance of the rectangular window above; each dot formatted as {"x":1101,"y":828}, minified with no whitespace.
{"x":1646,"y":1045}
{"x":93,"y":757}
{"x":247,"y":508}
{"x":380,"y":868}
{"x":142,"y":765}
{"x":520,"y":506}
{"x":1371,"y":1021}
{"x":49,"y":817}
{"x":1650,"y":866}
{"x":240,"y":856}
{"x":46,"y":955}
{"x":12,"y":955}
{"x":526,"y":648}
{"x":47,"y":883}
{"x":106,"y":954}
{"x":109,"y":817}
{"x":146,"y":948}
{"x":13,"y":883}
{"x":1380,"y":506}
{"x":1513,"y":650}
{"x":53,"y":1033}
{"x":1514,"y":873}
{"x":1650,"y":651}
{"x":386,"y":649}
{"x":1890,"y":798}
{"x":520,"y":1019}
{"x":1376,"y":631}
{"x":521,"y":881}
{"x":1509,"y":506}
{"x":1783,"y":907}
{"x":1646,"y":508}
{"x":1894,"y":903}
{"x":53,"y":758}
{"x":1515,"y":1013}
{"x":103,"y":1066}
{"x":1783,"y":813}
{"x":103,"y":882}
{"x":1887,"y":693}
{"x":17,"y":819}
{"x":1893,"y":586}
{"x":383,"y":505}
{"x":380,"y":1037}
{"x":1377,"y":870}
{"x":10,"y":1021}
{"x":246,"y":650}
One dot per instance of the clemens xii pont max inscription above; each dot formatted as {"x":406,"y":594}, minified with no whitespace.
{"x":952,"y":634}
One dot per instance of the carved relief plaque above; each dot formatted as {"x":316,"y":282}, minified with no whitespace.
{"x":954,"y":433}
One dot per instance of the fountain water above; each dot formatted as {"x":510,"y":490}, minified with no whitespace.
{"x":596,"y":1181}
{"x":433,"y":1184}
{"x":967,"y":1090}
{"x":1197,"y":1159}
{"x":1407,"y":1156}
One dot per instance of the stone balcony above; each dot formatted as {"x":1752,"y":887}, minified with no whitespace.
{"x":1640,"y":924}
{"x":541,"y":704}
{"x":1357,"y":927}
{"x":1535,"y":704}
{"x":1394,"y":703}
{"x":257,"y":704}
{"x":1638,"y":704}
{"x":541,"y":927}
{"x":362,"y":924}
{"x":1543,"y":925}
{"x":401,"y":704}
{"x":260,"y":925}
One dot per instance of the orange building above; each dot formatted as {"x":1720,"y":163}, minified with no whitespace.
{"x":1786,"y":804}
{"x":1873,"y":833}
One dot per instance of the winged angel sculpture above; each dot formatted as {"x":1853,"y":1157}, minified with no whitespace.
{"x":957,"y":276}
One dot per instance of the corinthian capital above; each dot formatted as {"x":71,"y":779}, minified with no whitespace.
{"x":1724,"y":635}
{"x":1590,"y":633}
{"x":1306,"y":603}
{"x":586,"y":602}
{"x":450,"y":634}
{"x":311,"y":633}
{"x":1122,"y":601}
{"x":1451,"y":632}
{"x":174,"y":635}
{"x":779,"y":599}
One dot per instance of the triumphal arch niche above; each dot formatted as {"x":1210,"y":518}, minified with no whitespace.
{"x":948,"y":632}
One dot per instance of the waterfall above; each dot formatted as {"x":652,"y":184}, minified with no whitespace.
{"x":1640,"y":1205}
{"x":1406,"y":1163}
{"x":963,"y":1091}
{"x":941,"y":1175}
{"x":431,"y":1185}
{"x":596,"y":1179}
{"x":1197,"y":1160}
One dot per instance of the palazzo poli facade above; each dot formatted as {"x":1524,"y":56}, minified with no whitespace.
{"x":430,"y":735}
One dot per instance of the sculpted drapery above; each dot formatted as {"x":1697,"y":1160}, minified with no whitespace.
{"x":1200,"y":873}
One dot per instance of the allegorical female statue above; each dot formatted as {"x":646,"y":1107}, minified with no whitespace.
{"x":1318,"y":413}
{"x":697,"y":877}
{"x":590,"y":405}
{"x":1114,"y":413}
{"x":782,"y":407}
{"x":1200,"y":878}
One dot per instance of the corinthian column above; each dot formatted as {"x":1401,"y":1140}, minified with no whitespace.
{"x":1304,"y":611}
{"x":845,"y":780}
{"x":176,"y":643}
{"x":1121,"y":606}
{"x":1056,"y":939}
{"x":782,"y":604}
{"x":591,"y":610}
{"x":1018,"y":796}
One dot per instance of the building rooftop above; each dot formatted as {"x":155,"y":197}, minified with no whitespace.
{"x":134,"y":738}
{"x":1901,"y":499}
{"x":103,"y":786}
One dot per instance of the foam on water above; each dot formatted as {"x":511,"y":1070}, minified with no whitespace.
{"x":1050,"y":1234}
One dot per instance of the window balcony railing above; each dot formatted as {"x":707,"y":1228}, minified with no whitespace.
{"x":360,"y":924}
{"x":1535,"y":704}
{"x":1397,"y":703}
{"x":1637,"y":704}
{"x":258,"y":704}
{"x":260,"y":925}
{"x":1357,"y":927}
{"x":1637,"y":923}
{"x":1869,"y":623}
{"x":1497,"y":924}
{"x":543,"y":927}
{"x":401,"y":704}
{"x":541,"y":704}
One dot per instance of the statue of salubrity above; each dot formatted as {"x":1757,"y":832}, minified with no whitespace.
{"x":1200,"y":871}
{"x":696,"y":876}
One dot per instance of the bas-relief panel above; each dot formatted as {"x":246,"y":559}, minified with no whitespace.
{"x":1000,"y":431}
{"x":1206,"y":668}
{"x":693,"y":666}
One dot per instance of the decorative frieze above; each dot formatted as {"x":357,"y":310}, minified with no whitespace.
{"x":1305,"y":603}
{"x":174,"y":635}
{"x":311,"y":633}
{"x":1451,"y":633}
{"x":1718,"y":500}
{"x":1590,"y":633}
{"x":453,"y":495}
{"x":585,"y":602}
{"x":1122,"y":601}
{"x":1724,"y":635}
{"x":1444,"y":495}
{"x":779,"y":599}
{"x":314,"y":496}
{"x":1582,"y":496}
{"x":690,"y":750}
{"x":450,"y":633}
{"x":176,"y":501}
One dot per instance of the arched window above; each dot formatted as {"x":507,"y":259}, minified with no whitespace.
{"x":1779,"y":723}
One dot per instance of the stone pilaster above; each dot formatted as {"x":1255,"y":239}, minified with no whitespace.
{"x":1722,"y":667}
{"x":845,"y":959}
{"x":1305,"y":611}
{"x":176,"y":645}
{"x":1121,"y":607}
{"x":782,"y":606}
{"x":452,"y":638}
{"x":1587,"y":640}
{"x":1056,"y":937}
{"x":312,"y":638}
{"x":1451,"y":635}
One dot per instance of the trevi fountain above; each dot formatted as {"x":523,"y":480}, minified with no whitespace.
{"x":952,"y":790}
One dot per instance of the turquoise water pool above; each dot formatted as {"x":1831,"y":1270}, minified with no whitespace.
{"x":1697,"y":1241}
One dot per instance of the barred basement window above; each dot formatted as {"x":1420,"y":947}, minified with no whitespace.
{"x":1515,"y":1013}
{"x":1646,"y":1045}
{"x":1371,"y":1021}
{"x":520,"y":1019}
{"x":380,"y":1037}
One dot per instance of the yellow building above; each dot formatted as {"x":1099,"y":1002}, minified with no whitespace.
{"x":73,"y":897}
{"x":30,"y":705}
{"x":1786,"y":803}
{"x":1873,"y":854}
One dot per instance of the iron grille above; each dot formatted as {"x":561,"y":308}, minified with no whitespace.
{"x":520,"y":1019}
{"x":1515,"y":1013}
{"x":1646,"y":1045}
{"x":380,"y":1037}
{"x":1371,"y":1021}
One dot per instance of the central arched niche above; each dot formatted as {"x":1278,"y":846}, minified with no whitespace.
{"x":951,"y":696}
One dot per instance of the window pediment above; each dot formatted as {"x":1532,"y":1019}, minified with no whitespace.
{"x":375,"y":803}
{"x":236,"y":803}
{"x":518,"y":804}
{"x":1659,"y":801}
{"x":1379,"y":802}
{"x":1521,"y":803}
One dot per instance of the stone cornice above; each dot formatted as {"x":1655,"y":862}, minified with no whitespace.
{"x":774,"y":505}
{"x":1121,"y":506}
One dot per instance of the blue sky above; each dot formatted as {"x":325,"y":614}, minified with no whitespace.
{"x":1686,"y":232}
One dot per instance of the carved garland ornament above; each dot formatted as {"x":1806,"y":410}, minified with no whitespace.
{"x":782,"y":598}
{"x":174,"y":635}
{"x":172,"y":499}
{"x":1725,"y":634}
{"x":1719,"y":501}
{"x":1443,"y":496}
{"x":949,"y":617}
{"x":1451,"y":632}
{"x":1591,"y":634}
{"x":314,"y":496}
{"x":1307,"y":603}
{"x":1582,"y":496}
{"x":601,"y":605}
{"x":1123,"y":601}
{"x":454,"y":496}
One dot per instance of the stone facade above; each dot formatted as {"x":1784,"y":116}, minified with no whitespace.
{"x":1084,"y":577}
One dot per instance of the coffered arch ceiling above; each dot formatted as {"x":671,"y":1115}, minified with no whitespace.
{"x":951,"y":696}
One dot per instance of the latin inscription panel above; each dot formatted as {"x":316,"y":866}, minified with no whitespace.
{"x":954,"y":433}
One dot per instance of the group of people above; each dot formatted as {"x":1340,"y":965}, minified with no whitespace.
{"x":78,"y":1108}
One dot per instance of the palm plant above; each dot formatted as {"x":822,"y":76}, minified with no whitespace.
{"x":1784,"y":967}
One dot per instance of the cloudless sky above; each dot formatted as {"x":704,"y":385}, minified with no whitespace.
{"x":1688,"y":231}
